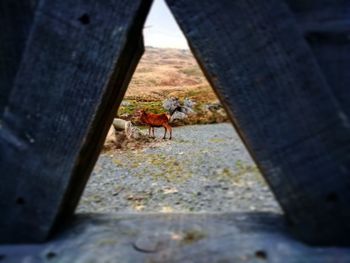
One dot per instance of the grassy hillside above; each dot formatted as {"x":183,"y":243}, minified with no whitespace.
{"x":164,"y":73}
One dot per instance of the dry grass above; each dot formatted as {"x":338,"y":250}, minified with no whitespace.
{"x":163,"y":73}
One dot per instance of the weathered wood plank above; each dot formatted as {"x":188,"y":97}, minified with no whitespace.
{"x":266,"y":76}
{"x":74,"y":71}
{"x":16,"y":18}
{"x":242,"y":237}
{"x":325,"y":25}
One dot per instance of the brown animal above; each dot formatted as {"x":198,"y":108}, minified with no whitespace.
{"x":155,"y":120}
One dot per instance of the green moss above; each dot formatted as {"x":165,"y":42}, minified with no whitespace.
{"x":245,"y":168}
{"x":157,"y":166}
{"x":153,"y":106}
{"x":129,"y":109}
{"x":193,"y":235}
{"x":237,"y":175}
{"x":194,"y":93}
{"x":156,"y":106}
{"x":150,"y":106}
{"x":217,"y":140}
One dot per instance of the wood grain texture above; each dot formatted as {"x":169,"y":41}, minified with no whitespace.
{"x":241,"y":237}
{"x":16,"y":18}
{"x":265,"y":74}
{"x":325,"y":26}
{"x":75,"y":68}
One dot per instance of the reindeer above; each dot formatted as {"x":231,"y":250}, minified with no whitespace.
{"x":155,"y":120}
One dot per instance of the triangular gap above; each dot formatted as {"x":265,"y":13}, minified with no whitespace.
{"x":204,"y":168}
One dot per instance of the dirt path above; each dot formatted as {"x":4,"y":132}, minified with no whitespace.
{"x":204,"y":168}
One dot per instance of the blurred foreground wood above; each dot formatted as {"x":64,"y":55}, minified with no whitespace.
{"x":288,"y":116}
{"x":69,"y":64}
{"x":59,"y":105}
{"x":240,"y":237}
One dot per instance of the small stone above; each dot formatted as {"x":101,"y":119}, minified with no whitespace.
{"x":148,"y":244}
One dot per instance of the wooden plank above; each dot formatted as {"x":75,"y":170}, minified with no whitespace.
{"x":325,"y":25}
{"x":77,"y":63}
{"x":100,"y":126}
{"x":15,"y":22}
{"x":242,"y":237}
{"x":266,"y":76}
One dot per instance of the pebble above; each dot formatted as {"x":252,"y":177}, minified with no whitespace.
{"x":205,"y":168}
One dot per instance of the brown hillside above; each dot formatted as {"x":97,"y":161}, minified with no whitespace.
{"x":168,"y":72}
{"x":164,"y":73}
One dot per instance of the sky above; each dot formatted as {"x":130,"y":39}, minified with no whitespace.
{"x":161,"y":29}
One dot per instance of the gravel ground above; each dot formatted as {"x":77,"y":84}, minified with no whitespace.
{"x":204,"y":168}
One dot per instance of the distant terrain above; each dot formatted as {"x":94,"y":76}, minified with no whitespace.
{"x":164,"y":73}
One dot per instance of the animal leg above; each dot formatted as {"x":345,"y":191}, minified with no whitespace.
{"x":149,"y":131}
{"x":153,"y":132}
{"x":165,"y":129}
{"x":170,"y":131}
